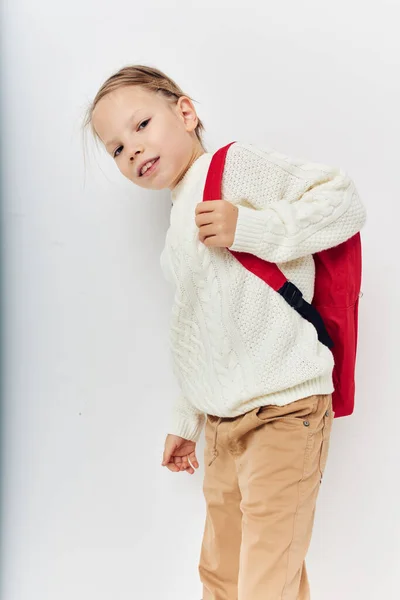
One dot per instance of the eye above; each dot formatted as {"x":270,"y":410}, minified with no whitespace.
{"x":143,"y":122}
{"x":115,"y":153}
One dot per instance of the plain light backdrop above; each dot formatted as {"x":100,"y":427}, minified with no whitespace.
{"x":88,"y":513}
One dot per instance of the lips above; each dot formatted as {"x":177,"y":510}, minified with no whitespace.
{"x":140,"y":167}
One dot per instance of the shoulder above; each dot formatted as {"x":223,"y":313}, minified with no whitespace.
{"x":259,"y":175}
{"x":243,"y":154}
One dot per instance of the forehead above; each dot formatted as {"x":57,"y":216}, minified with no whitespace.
{"x":113,"y":111}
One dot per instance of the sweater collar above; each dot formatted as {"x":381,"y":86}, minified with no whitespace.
{"x":191,"y":176}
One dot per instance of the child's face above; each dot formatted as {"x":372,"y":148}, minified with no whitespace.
{"x":136,"y":125}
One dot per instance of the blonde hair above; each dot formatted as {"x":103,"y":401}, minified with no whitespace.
{"x":149,"y":78}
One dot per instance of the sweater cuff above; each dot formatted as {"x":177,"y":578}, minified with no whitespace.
{"x":187,"y":425}
{"x":250,"y":230}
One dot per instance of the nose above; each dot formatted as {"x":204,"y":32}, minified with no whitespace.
{"x":133,"y":153}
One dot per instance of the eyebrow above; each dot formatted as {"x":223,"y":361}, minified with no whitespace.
{"x":131,"y":118}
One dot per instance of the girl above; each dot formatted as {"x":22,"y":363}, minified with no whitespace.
{"x":250,"y":368}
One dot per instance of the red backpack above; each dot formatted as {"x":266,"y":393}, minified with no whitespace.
{"x":334,"y":308}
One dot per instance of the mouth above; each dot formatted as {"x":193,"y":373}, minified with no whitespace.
{"x":151,"y":169}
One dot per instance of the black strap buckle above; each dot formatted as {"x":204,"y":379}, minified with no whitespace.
{"x":294,"y":298}
{"x":291,"y":294}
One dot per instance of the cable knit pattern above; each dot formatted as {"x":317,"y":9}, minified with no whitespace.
{"x":303,"y":208}
{"x":235,"y":343}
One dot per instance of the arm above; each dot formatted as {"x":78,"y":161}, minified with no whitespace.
{"x":186,"y":421}
{"x":309,"y":207}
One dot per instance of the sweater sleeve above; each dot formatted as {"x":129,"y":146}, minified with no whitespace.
{"x":186,"y":421}
{"x":313,"y":207}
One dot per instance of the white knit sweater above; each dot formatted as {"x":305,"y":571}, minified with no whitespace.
{"x":235,"y":342}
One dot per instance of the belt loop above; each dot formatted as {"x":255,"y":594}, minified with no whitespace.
{"x":214,"y":450}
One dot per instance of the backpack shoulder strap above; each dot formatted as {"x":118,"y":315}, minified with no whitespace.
{"x":267,"y":271}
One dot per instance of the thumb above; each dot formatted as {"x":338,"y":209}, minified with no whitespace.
{"x":168,"y":450}
{"x":166,"y":458}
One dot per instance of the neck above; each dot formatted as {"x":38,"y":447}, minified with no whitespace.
{"x":190,"y":174}
{"x":199,"y":151}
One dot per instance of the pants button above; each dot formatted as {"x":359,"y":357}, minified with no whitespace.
{"x":327,"y":413}
{"x":306,"y":423}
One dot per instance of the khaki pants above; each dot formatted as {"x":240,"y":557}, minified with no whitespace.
{"x":263,"y":471}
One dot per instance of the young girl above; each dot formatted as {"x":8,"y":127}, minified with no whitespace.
{"x":250,"y":368}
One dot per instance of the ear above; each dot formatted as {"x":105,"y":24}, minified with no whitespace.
{"x":187,"y":112}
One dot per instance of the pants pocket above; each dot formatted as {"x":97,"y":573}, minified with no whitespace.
{"x":309,"y":417}
{"x":296,"y":413}
{"x":326,"y":435}
{"x":319,"y":425}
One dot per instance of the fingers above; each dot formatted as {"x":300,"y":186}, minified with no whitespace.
{"x":209,"y":206}
{"x":192,"y":463}
{"x":186,"y":464}
{"x":172,"y":467}
{"x":193,"y":460}
{"x":175,"y":469}
{"x":182,"y":462}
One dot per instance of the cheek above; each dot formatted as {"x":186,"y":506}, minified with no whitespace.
{"x":162,"y":137}
{"x":127,"y":170}
{"x":123,"y":167}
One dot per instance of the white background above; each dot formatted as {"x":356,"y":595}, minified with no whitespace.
{"x":88,"y":513}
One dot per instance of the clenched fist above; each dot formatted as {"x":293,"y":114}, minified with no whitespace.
{"x":178,"y":452}
{"x":216,"y":220}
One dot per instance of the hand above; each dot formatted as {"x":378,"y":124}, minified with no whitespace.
{"x":177,"y":453}
{"x":216,"y":220}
